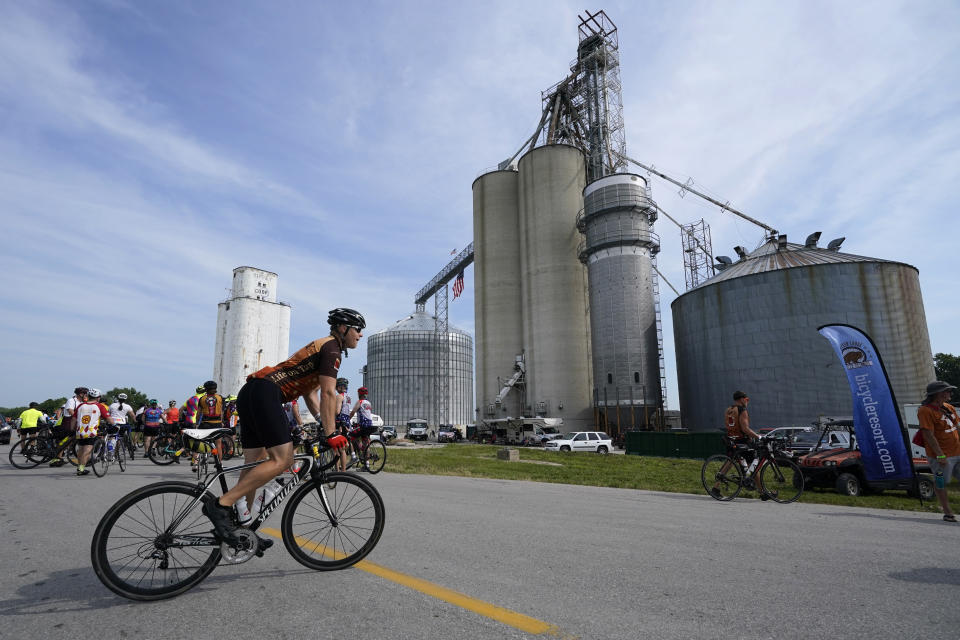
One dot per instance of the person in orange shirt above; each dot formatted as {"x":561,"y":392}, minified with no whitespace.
{"x":172,"y":414}
{"x":939,"y":422}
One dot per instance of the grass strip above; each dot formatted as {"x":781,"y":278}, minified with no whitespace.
{"x":674,"y":475}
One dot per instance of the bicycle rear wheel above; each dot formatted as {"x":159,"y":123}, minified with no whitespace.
{"x":374,"y":456}
{"x":98,"y":458}
{"x":25,"y":454}
{"x":721,"y":477}
{"x":120,"y":451}
{"x":314,"y":540}
{"x":136,"y":553}
{"x":781,"y":479}
{"x":162,"y":450}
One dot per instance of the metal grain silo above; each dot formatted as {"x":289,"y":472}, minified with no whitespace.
{"x":400,"y":371}
{"x":617,"y":249}
{"x":497,"y":308}
{"x":556,"y":330}
{"x":754,"y":327}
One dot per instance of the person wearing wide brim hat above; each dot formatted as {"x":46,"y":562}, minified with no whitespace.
{"x":939,"y":424}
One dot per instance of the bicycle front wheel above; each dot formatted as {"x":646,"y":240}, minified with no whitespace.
{"x":323,"y":543}
{"x":782,"y":480}
{"x":374,"y":456}
{"x":162,"y":450}
{"x":138,"y":554}
{"x":721,"y":477}
{"x":98,"y":458}
{"x":25,"y":454}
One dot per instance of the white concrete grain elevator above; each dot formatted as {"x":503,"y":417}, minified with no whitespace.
{"x":253,"y":328}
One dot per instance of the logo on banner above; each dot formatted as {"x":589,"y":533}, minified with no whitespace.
{"x":854,"y":355}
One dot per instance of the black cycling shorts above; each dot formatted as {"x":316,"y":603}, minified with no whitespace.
{"x":265,"y":424}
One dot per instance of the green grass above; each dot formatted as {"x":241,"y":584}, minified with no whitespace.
{"x":674,"y":475}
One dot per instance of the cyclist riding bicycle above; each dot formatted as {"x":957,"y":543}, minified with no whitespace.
{"x":364,"y":412}
{"x":266,"y":432}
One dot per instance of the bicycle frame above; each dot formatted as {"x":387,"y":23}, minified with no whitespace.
{"x":315,"y":470}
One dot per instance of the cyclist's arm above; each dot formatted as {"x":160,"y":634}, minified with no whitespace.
{"x":296,"y":414}
{"x":322,"y":403}
{"x":356,"y":407}
{"x":745,"y":426}
{"x":132,"y":415}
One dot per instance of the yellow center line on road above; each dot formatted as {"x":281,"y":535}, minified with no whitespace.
{"x":512,"y":618}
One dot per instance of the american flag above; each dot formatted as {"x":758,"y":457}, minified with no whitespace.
{"x":458,"y":286}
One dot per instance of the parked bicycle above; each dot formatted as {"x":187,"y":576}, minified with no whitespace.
{"x":771,"y":472}
{"x":156,"y":543}
{"x":166,"y":448}
{"x":32,"y":451}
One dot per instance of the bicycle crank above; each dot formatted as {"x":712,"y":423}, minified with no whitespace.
{"x":246,"y":547}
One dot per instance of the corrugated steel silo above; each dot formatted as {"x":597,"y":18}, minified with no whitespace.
{"x":554,"y":289}
{"x":497,"y":307}
{"x":754,"y":327}
{"x":400,"y":371}
{"x":619,"y":244}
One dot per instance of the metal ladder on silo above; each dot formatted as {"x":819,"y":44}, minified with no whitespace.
{"x":655,"y":282}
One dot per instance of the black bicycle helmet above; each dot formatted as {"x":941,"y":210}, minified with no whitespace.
{"x":210,"y":385}
{"x":343,"y":382}
{"x":349,"y":317}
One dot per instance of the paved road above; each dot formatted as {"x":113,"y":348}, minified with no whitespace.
{"x":489,"y":559}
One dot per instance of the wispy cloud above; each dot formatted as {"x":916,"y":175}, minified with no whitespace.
{"x":147,"y":150}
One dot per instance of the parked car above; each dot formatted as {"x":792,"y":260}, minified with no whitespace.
{"x":783,"y":432}
{"x":5,"y":432}
{"x":810,"y":441}
{"x":388,"y":433}
{"x":448,"y":433}
{"x":581,"y":441}
{"x":841,"y":468}
{"x":417,"y":430}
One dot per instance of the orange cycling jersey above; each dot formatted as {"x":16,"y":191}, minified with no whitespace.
{"x":210,"y":408}
{"x":300,"y":373}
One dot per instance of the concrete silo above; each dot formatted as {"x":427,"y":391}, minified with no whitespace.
{"x":618,"y":248}
{"x":401,"y":370}
{"x":253,"y":329}
{"x":556,"y":333}
{"x":497,"y":307}
{"x":754,"y":327}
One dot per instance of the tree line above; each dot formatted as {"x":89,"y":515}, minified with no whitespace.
{"x":135,"y":399}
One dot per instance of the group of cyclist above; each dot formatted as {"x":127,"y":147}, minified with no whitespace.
{"x":267,"y":402}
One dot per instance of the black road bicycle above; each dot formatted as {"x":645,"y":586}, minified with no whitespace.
{"x":32,"y":451}
{"x":771,"y":472}
{"x":155,"y":542}
{"x":372,"y":454}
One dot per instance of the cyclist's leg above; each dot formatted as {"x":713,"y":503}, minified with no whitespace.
{"x":265,"y":433}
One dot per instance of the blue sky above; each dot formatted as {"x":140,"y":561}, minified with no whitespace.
{"x":147,"y":149}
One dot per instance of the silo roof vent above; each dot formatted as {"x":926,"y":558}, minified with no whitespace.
{"x":776,"y":254}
